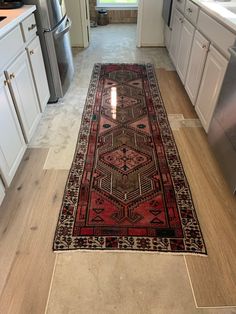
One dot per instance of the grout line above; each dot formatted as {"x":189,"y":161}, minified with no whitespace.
{"x":190,"y":281}
{"x":50,"y":287}
{"x":194,"y":297}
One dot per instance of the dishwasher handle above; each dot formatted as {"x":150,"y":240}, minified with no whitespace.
{"x":60,"y":33}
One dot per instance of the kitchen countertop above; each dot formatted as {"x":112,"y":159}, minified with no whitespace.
{"x":219,"y":11}
{"x":14,"y":17}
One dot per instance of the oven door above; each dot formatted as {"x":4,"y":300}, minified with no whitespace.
{"x":60,"y":57}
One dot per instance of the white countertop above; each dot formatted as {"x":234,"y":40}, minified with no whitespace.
{"x":219,"y":11}
{"x":14,"y":17}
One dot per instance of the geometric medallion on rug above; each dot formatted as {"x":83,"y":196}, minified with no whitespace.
{"x":127,"y":189}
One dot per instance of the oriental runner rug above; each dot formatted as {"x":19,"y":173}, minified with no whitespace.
{"x":127,"y":189}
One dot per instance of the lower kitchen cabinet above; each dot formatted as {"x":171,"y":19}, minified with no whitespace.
{"x":211,"y":83}
{"x":12,"y":144}
{"x":178,"y":20}
{"x":185,"y":44}
{"x":23,"y":92}
{"x":196,"y":65}
{"x":2,"y":191}
{"x":38,"y":70}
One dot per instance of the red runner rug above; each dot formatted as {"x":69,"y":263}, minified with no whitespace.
{"x":127,"y":189}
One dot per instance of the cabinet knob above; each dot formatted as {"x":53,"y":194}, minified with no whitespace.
{"x":204,"y":46}
{"x":30,"y":28}
{"x":12,"y":76}
{"x":6,"y":82}
{"x":181,"y":20}
{"x":190,"y":10}
{"x":31,"y":52}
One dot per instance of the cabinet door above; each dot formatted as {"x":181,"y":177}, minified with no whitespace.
{"x":211,"y":83}
{"x":178,"y":20}
{"x":2,"y":191}
{"x":24,"y":94}
{"x":12,"y":144}
{"x":186,"y":40}
{"x":196,"y":65}
{"x":39,"y":74}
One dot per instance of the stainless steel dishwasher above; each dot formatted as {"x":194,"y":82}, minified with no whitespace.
{"x":222,"y":131}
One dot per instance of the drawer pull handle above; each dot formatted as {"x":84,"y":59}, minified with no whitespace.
{"x":31,"y":52}
{"x":30,"y":28}
{"x":204,"y":46}
{"x":190,"y":10}
{"x":6,"y":82}
{"x":181,"y":20}
{"x":12,"y":76}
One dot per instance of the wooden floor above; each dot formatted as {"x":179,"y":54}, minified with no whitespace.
{"x":28,"y":218}
{"x":30,"y":210}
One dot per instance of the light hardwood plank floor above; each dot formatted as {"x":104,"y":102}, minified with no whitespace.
{"x":28,"y":219}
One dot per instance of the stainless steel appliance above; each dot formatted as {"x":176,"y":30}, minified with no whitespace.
{"x":166,"y":11}
{"x":53,"y":28}
{"x":222,"y":132}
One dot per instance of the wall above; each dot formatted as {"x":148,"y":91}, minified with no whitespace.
{"x":79,"y":33}
{"x":115,"y":16}
{"x":150,"y":23}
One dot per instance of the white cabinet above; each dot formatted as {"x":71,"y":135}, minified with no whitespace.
{"x":180,"y":4}
{"x":38,"y":70}
{"x":12,"y":144}
{"x":212,"y":79}
{"x":178,"y":20}
{"x":24,"y":94}
{"x":185,"y":45}
{"x":196,"y":65}
{"x":2,"y":191}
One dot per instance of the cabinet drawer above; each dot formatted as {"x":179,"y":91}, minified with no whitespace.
{"x":216,"y":33}
{"x":2,"y":191}
{"x":180,"y":5}
{"x":191,"y":11}
{"x":10,"y":45}
{"x":29,"y":27}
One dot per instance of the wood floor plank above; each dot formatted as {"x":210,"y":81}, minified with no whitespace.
{"x":28,"y":280}
{"x":175,"y":98}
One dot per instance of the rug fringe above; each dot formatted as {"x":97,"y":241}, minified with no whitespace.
{"x":129,"y":251}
